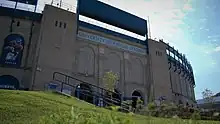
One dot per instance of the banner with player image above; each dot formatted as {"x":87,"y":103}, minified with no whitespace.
{"x":12,"y":50}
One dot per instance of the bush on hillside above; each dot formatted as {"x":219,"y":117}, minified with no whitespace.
{"x":139,"y":106}
{"x":195,"y":116}
{"x":151,"y":106}
{"x":113,"y":108}
{"x":210,"y":115}
{"x":169,"y":110}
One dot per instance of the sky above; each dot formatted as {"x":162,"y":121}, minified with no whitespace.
{"x":191,"y":26}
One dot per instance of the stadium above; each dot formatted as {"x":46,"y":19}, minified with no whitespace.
{"x":56,"y":50}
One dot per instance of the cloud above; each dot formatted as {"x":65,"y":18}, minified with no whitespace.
{"x":187,"y":7}
{"x":211,"y":48}
{"x":217,"y":49}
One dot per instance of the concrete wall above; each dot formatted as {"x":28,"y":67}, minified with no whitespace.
{"x":24,"y":29}
{"x":132,"y":69}
{"x":60,"y":50}
{"x":181,"y":87}
{"x":55,"y":47}
{"x":167,"y":79}
{"x":161,"y":81}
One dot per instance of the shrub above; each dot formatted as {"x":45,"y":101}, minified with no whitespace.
{"x":169,"y":110}
{"x":151,"y":106}
{"x":216,"y":116}
{"x":195,"y":116}
{"x":139,"y":105}
{"x":113,"y":108}
{"x":150,"y":110}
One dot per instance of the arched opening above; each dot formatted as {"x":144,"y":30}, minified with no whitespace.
{"x":86,"y":60}
{"x":135,"y":96}
{"x":187,"y":104}
{"x":9,"y":82}
{"x":113,"y":63}
{"x":137,"y":71}
{"x":84,"y":92}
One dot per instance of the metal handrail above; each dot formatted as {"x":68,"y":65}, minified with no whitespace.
{"x":106,"y":99}
{"x":67,"y":77}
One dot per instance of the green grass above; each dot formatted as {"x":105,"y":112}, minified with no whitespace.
{"x":22,"y":107}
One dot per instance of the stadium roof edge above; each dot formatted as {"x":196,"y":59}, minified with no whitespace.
{"x":23,"y":14}
{"x":110,"y":15}
{"x":5,"y":11}
{"x":110,"y":32}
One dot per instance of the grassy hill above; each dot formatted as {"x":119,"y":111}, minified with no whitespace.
{"x":22,"y":107}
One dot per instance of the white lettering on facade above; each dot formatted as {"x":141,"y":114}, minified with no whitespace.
{"x":110,"y":42}
{"x":7,"y":86}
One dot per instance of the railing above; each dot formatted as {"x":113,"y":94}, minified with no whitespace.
{"x":86,"y":91}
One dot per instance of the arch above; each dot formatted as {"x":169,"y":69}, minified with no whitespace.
{"x":9,"y":82}
{"x":137,"y":71}
{"x":84,"y":92}
{"x":180,"y":102}
{"x":187,"y":104}
{"x":12,"y":50}
{"x":136,"y":94}
{"x":115,"y":53}
{"x":113,"y":63}
{"x":87,"y":47}
{"x":86,"y":60}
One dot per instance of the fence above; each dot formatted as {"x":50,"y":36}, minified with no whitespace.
{"x":85,"y":91}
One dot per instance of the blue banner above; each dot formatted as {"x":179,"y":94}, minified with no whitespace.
{"x":32,"y":2}
{"x":12,"y":50}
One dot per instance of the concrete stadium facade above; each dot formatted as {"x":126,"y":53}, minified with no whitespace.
{"x":59,"y":44}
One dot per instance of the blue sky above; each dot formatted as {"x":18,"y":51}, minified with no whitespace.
{"x":191,"y":26}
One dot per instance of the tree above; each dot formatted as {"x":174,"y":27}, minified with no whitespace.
{"x":208,"y":96}
{"x":110,"y":79}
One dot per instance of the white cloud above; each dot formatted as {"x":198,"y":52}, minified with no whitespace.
{"x":217,"y":49}
{"x":187,"y":7}
{"x":211,"y":48}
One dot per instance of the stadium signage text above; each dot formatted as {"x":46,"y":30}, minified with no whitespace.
{"x":110,"y":42}
{"x":7,"y":87}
